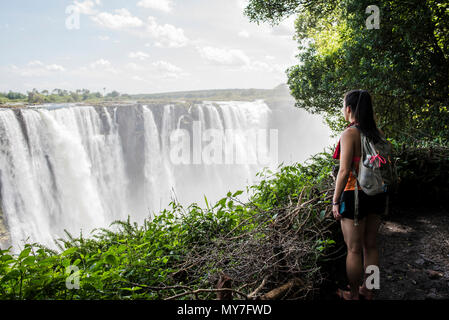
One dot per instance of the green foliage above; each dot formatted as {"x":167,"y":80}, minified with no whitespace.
{"x":404,"y":64}
{"x":113,"y":94}
{"x":111,"y":262}
{"x":277,"y":189}
{"x":128,"y":261}
{"x":322,"y":245}
{"x":424,"y":176}
{"x":13,"y":95}
{"x":61,"y":96}
{"x":212,"y":95}
{"x":274,"y":11}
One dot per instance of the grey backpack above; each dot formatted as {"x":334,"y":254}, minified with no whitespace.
{"x":377,"y":172}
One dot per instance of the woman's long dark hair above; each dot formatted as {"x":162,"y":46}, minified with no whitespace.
{"x":362,"y":108}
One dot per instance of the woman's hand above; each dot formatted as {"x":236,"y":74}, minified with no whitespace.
{"x":336,"y":211}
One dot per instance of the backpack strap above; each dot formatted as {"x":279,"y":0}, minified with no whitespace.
{"x":356,"y":198}
{"x":356,"y":188}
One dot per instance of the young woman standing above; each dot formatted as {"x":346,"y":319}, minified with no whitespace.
{"x":361,"y":239}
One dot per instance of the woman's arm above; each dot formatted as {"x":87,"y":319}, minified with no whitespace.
{"x":346,"y":153}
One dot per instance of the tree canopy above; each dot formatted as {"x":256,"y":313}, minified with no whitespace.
{"x":404,"y":64}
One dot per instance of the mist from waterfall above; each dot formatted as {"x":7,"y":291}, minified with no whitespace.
{"x":82,"y":167}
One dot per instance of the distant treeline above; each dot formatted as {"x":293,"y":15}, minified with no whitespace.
{"x":225,"y":93}
{"x":58,"y":95}
{"x":83,"y":95}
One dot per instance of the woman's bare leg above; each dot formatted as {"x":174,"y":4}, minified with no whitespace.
{"x":354,"y":236}
{"x":370,"y":250}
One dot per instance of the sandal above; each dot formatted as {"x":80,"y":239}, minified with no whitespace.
{"x":364,"y":293}
{"x":345,"y":295}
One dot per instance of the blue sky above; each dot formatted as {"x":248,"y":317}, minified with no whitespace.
{"x":140,"y":46}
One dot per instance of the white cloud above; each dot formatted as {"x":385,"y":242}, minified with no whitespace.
{"x":166,"y":66}
{"x":289,"y":24}
{"x":36,"y":68}
{"x":168,"y":70}
{"x":265,"y":67}
{"x":132,"y":66}
{"x":152,"y":72}
{"x":243,"y":34}
{"x":121,"y":20}
{"x":138,"y":55}
{"x":100,"y":62}
{"x":163,"y":5}
{"x":242,"y":4}
{"x":137,"y":78}
{"x":55,"y":67}
{"x":35,"y":63}
{"x":231,"y":57}
{"x":166,"y":35}
{"x":285,"y":29}
{"x":237,"y":60}
{"x":86,"y":7}
{"x":103,"y":65}
{"x":257,"y":65}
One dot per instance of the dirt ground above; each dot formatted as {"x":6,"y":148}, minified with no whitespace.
{"x":414,"y":255}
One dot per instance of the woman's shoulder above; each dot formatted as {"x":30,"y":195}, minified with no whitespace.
{"x":351,"y":132}
{"x":350,"y":136}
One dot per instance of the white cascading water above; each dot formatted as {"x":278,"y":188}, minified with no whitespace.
{"x":81,"y":167}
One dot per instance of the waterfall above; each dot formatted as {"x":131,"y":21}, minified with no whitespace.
{"x":82,"y":167}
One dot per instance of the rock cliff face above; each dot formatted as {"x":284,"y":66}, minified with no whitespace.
{"x":4,"y":234}
{"x":82,"y":167}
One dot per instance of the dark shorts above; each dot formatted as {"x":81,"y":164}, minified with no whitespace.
{"x":367,"y":204}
